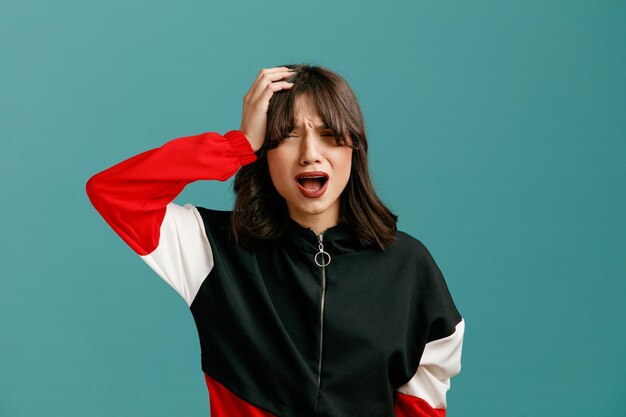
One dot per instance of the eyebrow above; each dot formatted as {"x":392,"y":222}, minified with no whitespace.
{"x":321,"y":127}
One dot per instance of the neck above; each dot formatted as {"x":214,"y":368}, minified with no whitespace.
{"x":319,"y":223}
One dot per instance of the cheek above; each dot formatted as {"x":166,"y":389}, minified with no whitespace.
{"x":273,"y":162}
{"x":276,"y":168}
{"x":346,"y":164}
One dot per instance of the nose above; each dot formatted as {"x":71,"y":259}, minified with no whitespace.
{"x":310,"y":150}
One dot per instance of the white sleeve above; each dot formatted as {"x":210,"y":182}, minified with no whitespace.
{"x":440,"y":361}
{"x":183,"y":257}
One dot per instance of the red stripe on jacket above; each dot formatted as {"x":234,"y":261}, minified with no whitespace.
{"x":226,"y":404}
{"x":409,"y":406}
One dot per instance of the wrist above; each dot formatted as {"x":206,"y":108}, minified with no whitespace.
{"x":240,"y":146}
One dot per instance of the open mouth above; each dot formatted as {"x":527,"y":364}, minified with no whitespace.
{"x":312,"y":183}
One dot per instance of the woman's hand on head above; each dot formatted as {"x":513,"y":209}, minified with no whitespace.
{"x":256,"y":102}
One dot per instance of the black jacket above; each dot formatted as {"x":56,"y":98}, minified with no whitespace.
{"x":362,"y":332}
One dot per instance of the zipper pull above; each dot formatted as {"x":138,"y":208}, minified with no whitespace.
{"x":324,"y":259}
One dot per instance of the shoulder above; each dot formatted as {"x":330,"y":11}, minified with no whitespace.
{"x":216,"y":222}
{"x":407,"y":242}
{"x":421,"y":257}
{"x":213,"y":214}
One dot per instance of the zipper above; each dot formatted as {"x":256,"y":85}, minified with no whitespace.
{"x":322,"y":259}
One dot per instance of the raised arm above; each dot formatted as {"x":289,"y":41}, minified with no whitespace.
{"x":132,"y":195}
{"x":135,"y":196}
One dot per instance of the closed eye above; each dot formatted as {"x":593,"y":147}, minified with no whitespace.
{"x":325,"y":135}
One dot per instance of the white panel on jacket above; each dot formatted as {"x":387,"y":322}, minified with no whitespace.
{"x":183,"y":257}
{"x":440,"y":361}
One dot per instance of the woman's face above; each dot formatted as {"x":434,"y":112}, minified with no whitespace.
{"x":310,"y":149}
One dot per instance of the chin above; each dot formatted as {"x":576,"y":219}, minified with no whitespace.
{"x":312,"y":208}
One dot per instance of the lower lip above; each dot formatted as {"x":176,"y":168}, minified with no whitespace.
{"x":312,"y":194}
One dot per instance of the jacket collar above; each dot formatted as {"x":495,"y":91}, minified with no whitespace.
{"x":338,"y":239}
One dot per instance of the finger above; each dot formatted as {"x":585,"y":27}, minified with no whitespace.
{"x":272,"y":88}
{"x":272,"y":70}
{"x":260,"y":85}
{"x":267,"y":77}
{"x":272,"y":74}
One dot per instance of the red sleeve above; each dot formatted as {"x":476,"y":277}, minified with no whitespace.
{"x":132,"y":195}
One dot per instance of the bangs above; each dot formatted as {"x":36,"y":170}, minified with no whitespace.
{"x":317,"y":95}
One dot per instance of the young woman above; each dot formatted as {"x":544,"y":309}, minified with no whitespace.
{"x":307,"y":299}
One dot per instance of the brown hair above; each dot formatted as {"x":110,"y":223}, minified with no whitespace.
{"x":260,"y":212}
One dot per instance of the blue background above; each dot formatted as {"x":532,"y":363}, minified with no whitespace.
{"x":496,"y":132}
